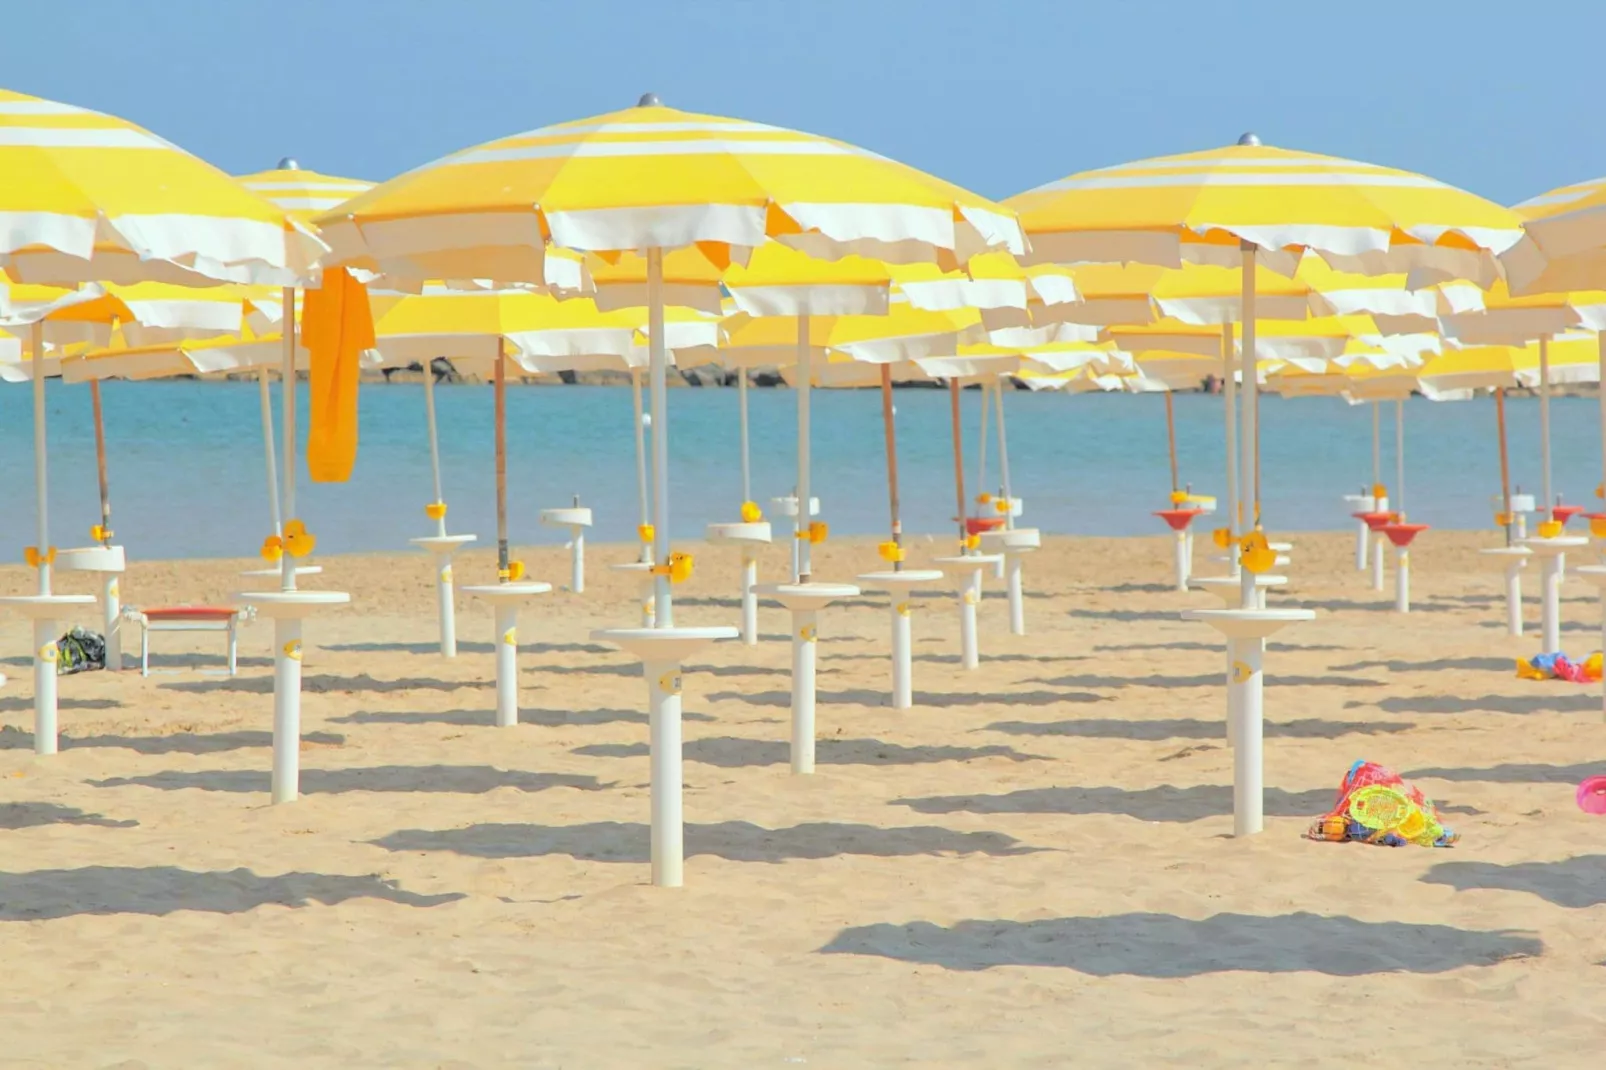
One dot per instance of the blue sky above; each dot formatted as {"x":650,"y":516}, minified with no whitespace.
{"x":998,"y":96}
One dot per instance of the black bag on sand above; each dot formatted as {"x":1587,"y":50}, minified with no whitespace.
{"x":80,"y":651}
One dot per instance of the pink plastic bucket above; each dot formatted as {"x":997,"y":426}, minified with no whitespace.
{"x":1592,"y":795}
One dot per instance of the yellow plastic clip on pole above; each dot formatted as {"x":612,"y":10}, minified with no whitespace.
{"x":819,"y":531}
{"x":34,"y":558}
{"x":1597,"y":527}
{"x":1256,"y":555}
{"x":298,"y":541}
{"x":100,"y":533}
{"x":972,"y":541}
{"x":1222,"y":537}
{"x":890,"y":552}
{"x":435,"y":510}
{"x":513,"y":573}
{"x":645,"y":533}
{"x":751,"y":513}
{"x":272,"y":548}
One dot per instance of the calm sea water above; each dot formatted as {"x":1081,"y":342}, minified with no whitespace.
{"x":187,"y":472}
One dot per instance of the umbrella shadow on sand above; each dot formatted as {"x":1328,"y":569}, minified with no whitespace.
{"x":445,"y":779}
{"x":1575,"y":883}
{"x":487,"y":718}
{"x":178,"y":743}
{"x":25,"y":815}
{"x":736,"y":841}
{"x":320,"y":682}
{"x":1193,"y":728}
{"x":731,"y":753}
{"x":1164,"y":803}
{"x":1213,"y":679}
{"x":1544,"y":702}
{"x":47,"y":894}
{"x":1166,"y":946}
{"x":867,"y":697}
{"x":1514,"y":773}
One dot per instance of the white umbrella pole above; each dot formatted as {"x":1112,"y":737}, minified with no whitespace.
{"x":741,"y":404}
{"x":1229,"y":390}
{"x":981,"y":438}
{"x":642,"y":496}
{"x":1003,"y":455}
{"x":1377,"y":446}
{"x":1549,"y":504}
{"x":434,"y":442}
{"x":1399,"y":457}
{"x":265,"y":395}
{"x":657,"y":369}
{"x":287,"y":567}
{"x":1247,"y":455}
{"x":40,"y":472}
{"x":804,"y":387}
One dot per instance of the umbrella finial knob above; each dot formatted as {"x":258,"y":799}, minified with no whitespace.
{"x":1249,"y":139}
{"x":649,"y":100}
{"x":289,"y":163}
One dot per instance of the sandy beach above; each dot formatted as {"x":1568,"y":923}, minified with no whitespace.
{"x":1033,"y":868}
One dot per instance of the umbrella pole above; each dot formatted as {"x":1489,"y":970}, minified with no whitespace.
{"x":981,"y":441}
{"x":265,"y":395}
{"x":1377,"y":447}
{"x":657,"y":370}
{"x":1171,"y":441}
{"x":1003,"y":457}
{"x":741,"y":404}
{"x":100,"y":463}
{"x":1229,"y":390}
{"x":1549,"y":505}
{"x":40,"y":473}
{"x":1505,"y":459}
{"x":1399,"y":457}
{"x":110,"y":603}
{"x":891,"y":433}
{"x":501,"y":464}
{"x":959,"y":460}
{"x":805,"y":565}
{"x":287,"y":386}
{"x":1247,"y":453}
{"x":643,"y":499}
{"x":434,"y":441}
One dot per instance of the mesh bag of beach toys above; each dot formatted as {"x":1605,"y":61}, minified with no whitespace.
{"x":1376,"y":806}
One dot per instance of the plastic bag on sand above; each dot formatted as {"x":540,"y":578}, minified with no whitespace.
{"x":80,"y":651}
{"x":1375,"y":806}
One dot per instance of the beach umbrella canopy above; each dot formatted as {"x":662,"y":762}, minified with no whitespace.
{"x":90,"y":197}
{"x":1200,"y":206}
{"x":1563,"y":245}
{"x":303,"y":194}
{"x":655,"y":177}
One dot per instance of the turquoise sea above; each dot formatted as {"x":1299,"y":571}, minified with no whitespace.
{"x":187,"y":471}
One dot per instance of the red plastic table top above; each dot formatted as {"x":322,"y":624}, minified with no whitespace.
{"x":1179,"y":519}
{"x":1402,"y":534}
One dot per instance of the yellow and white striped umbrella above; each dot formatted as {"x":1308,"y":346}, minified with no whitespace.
{"x":1574,"y":358}
{"x":540,"y":333}
{"x":1563,"y":246}
{"x":1199,"y":294}
{"x":145,"y":313}
{"x":905,"y":333}
{"x":1199,"y":206}
{"x":1395,"y":307}
{"x":90,"y":197}
{"x":303,"y":194}
{"x":654,"y":177}
{"x":1516,"y":321}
